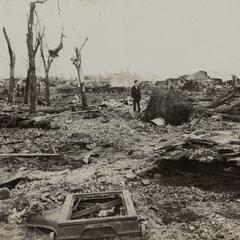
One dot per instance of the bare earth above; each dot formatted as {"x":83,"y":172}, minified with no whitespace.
{"x":174,"y":206}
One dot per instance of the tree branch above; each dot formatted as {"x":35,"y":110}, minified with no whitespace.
{"x":54,"y":53}
{"x":40,"y":37}
{"x":50,"y":61}
{"x":77,"y":61}
{"x":11,"y":53}
{"x":83,"y":44}
{"x":38,"y":1}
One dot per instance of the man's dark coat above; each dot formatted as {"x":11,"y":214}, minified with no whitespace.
{"x":136,"y":93}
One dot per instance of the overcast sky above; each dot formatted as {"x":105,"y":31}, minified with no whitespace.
{"x":166,"y":38}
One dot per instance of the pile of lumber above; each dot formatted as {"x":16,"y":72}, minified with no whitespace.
{"x":227,"y":105}
{"x":217,"y":153}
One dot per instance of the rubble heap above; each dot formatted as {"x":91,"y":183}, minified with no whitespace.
{"x":214,"y":152}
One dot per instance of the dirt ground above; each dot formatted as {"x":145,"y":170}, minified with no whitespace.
{"x":173,"y":206}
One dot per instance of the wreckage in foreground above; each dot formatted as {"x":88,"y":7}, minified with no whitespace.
{"x":92,"y":216}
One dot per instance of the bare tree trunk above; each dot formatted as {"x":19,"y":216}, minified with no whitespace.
{"x":84,"y":98}
{"x":82,"y":91}
{"x":12,"y":57}
{"x":77,"y":62}
{"x":11,"y":85}
{"x":52,"y":54}
{"x":26,"y":93}
{"x":32,"y":68}
{"x":47,"y":89}
{"x":33,"y":89}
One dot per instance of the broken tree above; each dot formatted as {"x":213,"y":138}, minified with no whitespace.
{"x":77,"y":62}
{"x":32,"y":50}
{"x":52,"y":54}
{"x":12,"y":57}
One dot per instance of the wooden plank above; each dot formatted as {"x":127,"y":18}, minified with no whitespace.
{"x":96,"y":208}
{"x":235,"y":141}
{"x":231,"y":155}
{"x":67,"y":208}
{"x":100,"y":220}
{"x":10,"y":142}
{"x":30,"y":155}
{"x":76,"y":112}
{"x":96,"y":194}
{"x":129,"y":204}
{"x":169,"y":147}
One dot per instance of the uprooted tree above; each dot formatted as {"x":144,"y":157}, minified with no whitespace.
{"x":169,"y":106}
{"x":77,"y":62}
{"x":31,"y":81}
{"x":52,"y":54}
{"x":12,"y":57}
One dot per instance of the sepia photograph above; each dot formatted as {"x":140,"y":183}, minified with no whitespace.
{"x":119,"y":119}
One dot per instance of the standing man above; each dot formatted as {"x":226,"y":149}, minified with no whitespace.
{"x":136,"y":95}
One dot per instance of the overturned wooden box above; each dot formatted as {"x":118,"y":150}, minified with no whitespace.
{"x":92,"y":216}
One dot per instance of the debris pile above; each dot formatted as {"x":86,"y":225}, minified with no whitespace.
{"x":214,"y":152}
{"x":113,"y":212}
{"x":196,"y":82}
{"x":107,"y":148}
{"x":227,"y":105}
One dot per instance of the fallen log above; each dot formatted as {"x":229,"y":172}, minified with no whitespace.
{"x":200,"y":142}
{"x":30,"y":155}
{"x":228,"y":109}
{"x":56,"y":110}
{"x":223,"y":116}
{"x":229,"y":117}
{"x":224,"y":98}
{"x":21,"y":121}
{"x":10,"y":142}
{"x":75,"y":112}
